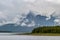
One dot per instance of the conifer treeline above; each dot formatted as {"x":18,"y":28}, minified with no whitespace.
{"x":47,"y":29}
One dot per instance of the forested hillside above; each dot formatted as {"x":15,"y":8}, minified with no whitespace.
{"x":47,"y":29}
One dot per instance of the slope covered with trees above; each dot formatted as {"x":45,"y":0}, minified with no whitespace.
{"x":47,"y":29}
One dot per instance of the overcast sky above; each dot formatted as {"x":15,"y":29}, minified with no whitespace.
{"x":9,"y":9}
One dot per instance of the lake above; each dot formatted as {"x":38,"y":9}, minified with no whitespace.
{"x":8,"y":36}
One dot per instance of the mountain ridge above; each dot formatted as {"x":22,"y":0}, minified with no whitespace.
{"x":28,"y":23}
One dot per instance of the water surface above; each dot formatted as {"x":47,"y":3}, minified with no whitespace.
{"x":7,"y":36}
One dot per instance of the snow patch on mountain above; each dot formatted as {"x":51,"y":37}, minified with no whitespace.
{"x":32,"y":24}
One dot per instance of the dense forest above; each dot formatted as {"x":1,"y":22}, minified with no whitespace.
{"x":47,"y":29}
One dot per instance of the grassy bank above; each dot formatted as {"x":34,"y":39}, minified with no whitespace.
{"x":45,"y":34}
{"x":41,"y":34}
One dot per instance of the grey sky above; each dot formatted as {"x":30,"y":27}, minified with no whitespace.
{"x":9,"y":9}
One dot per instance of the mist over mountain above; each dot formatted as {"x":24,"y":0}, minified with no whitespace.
{"x":26,"y":24}
{"x":39,"y":20}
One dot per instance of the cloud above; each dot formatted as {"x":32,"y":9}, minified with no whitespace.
{"x":32,"y":24}
{"x":31,"y":1}
{"x":54,"y":1}
{"x":11,"y":8}
{"x":14,"y":7}
{"x":2,"y":15}
{"x":57,"y":21}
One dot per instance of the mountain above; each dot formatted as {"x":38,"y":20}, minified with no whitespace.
{"x":40,"y":20}
{"x":26,"y":24}
{"x":14,"y":28}
{"x":30,"y":20}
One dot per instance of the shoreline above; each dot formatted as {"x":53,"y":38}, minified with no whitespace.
{"x":41,"y":34}
{"x":33,"y":34}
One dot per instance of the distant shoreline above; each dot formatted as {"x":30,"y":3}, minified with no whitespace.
{"x":33,"y":34}
{"x":41,"y":34}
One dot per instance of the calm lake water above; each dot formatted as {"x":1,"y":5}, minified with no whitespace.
{"x":7,"y":36}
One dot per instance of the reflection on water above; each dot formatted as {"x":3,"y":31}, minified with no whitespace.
{"x":7,"y":36}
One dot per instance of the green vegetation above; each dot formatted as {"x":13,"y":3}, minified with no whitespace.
{"x":45,"y":34}
{"x":44,"y":31}
{"x":47,"y":29}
